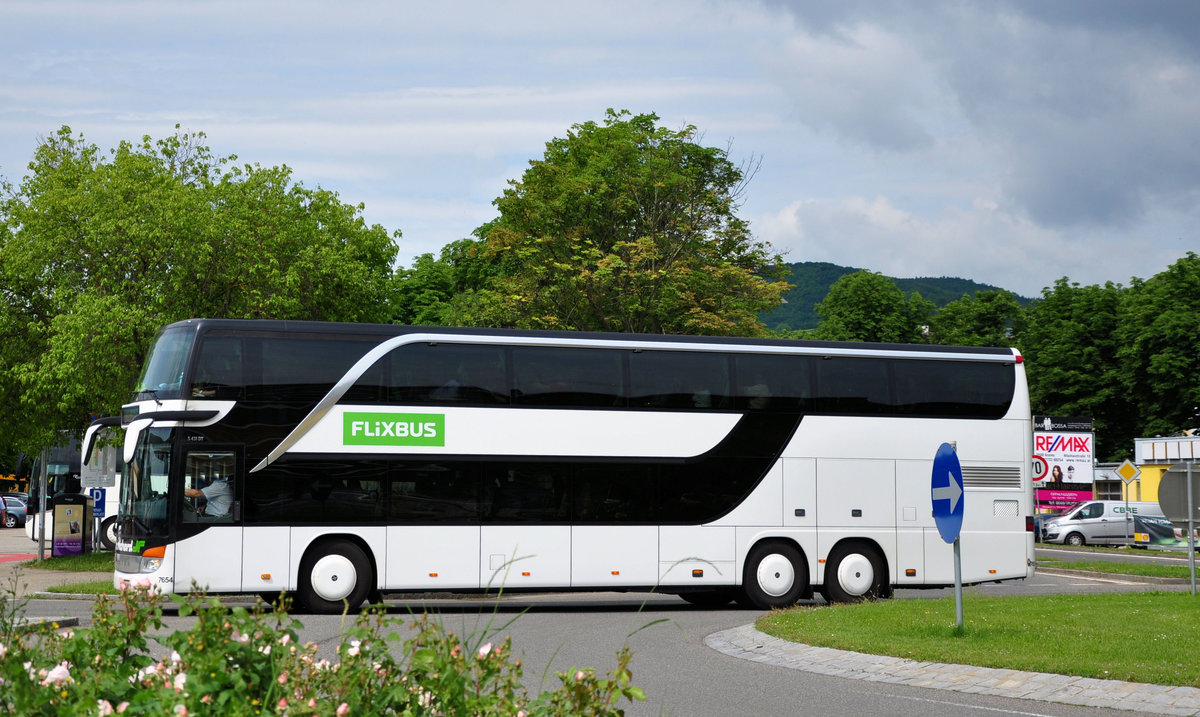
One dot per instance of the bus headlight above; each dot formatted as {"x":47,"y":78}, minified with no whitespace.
{"x":126,"y":563}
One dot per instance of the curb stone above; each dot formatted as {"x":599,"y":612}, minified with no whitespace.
{"x":747,"y":643}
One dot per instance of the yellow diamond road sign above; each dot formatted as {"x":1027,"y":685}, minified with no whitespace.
{"x":1128,"y":471}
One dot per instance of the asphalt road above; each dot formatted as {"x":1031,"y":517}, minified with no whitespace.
{"x":680,"y":675}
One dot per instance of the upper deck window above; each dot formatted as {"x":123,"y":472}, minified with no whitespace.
{"x":162,"y":374}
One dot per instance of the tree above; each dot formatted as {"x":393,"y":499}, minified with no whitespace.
{"x":868,"y":306}
{"x":988,"y":318}
{"x":100,"y":251}
{"x":625,"y":226}
{"x":1070,"y":344}
{"x":1158,"y":342}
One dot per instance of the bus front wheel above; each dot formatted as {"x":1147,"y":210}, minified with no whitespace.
{"x":334,"y":576}
{"x":108,"y":533}
{"x":776,"y":575}
{"x":853,"y":572}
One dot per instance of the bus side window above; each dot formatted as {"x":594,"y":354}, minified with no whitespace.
{"x":568,"y":377}
{"x":778,"y":383}
{"x":678,"y":379}
{"x":208,"y":486}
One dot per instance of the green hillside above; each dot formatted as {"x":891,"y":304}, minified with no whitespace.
{"x":812,"y":280}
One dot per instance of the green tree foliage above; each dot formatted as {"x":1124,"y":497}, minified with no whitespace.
{"x":868,"y":306}
{"x":1070,"y":343}
{"x":989,"y":318}
{"x":1159,"y":348}
{"x":99,"y":251}
{"x":625,"y":226}
{"x":444,"y":291}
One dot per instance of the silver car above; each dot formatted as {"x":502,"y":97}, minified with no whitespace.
{"x":14,"y":512}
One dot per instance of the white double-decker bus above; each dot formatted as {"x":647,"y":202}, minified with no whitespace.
{"x":342,"y":461}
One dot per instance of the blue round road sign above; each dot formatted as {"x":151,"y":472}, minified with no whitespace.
{"x":946,"y":490}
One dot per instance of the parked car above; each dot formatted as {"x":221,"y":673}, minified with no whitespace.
{"x":1100,"y":522}
{"x":14,"y":512}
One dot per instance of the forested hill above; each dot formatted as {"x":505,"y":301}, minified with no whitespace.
{"x":812,"y":280}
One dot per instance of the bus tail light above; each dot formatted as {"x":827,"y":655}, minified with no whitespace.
{"x":1029,"y":526}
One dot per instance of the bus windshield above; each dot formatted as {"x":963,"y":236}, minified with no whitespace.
{"x":162,"y":376}
{"x":144,"y":488}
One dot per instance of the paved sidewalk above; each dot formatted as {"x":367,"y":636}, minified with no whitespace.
{"x":748,"y":643}
{"x":30,"y":581}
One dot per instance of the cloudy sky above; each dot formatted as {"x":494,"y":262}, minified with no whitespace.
{"x":1003,"y":141}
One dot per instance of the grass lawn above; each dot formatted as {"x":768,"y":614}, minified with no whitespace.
{"x":95,"y":587}
{"x":1139,"y":637}
{"x":1104,"y":566}
{"x":86,"y":563}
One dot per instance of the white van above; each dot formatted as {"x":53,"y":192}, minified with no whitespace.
{"x":1100,"y":522}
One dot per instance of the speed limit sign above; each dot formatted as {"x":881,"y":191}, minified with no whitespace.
{"x":1040,"y":468}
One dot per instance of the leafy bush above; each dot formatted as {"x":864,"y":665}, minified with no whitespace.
{"x":234,"y":661}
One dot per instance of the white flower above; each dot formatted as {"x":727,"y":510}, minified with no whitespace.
{"x":106,"y":708}
{"x":179,"y":681}
{"x":60,"y":674}
{"x":353,"y":648}
{"x":484,"y":650}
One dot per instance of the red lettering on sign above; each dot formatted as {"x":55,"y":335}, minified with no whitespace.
{"x":1044,"y":443}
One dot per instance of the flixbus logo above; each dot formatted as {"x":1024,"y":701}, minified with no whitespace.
{"x":394,"y":429}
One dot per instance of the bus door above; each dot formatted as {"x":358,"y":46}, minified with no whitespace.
{"x":209,"y":526}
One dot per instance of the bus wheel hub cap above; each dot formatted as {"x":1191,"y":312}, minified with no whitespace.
{"x":856,"y":575}
{"x":775,"y":575}
{"x":333,"y":577}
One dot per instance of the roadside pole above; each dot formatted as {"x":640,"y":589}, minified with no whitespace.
{"x":42,"y":505}
{"x":1191,"y":528}
{"x":1178,"y":503}
{"x":946,"y":494}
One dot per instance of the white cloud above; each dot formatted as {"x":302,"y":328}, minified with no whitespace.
{"x":1011,"y":142}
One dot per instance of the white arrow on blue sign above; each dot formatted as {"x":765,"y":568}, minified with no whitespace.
{"x":946,"y":490}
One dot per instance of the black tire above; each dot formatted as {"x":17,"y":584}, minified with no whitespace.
{"x":1075,"y":539}
{"x":335,"y":576}
{"x":108,"y":533}
{"x":776,"y":575}
{"x":854,"y":571}
{"x":709,"y":598}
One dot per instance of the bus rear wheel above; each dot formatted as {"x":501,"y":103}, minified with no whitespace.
{"x":335,"y":576}
{"x":776,"y":575}
{"x":854,"y":571}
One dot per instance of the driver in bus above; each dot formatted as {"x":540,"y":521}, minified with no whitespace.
{"x":217,"y":495}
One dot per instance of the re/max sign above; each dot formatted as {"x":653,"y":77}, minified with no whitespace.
{"x":1049,"y":443}
{"x":393,"y":429}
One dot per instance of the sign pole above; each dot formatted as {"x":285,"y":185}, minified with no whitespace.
{"x":958,"y":600}
{"x":946,"y":492}
{"x":1191,"y":528}
{"x":41,"y":524}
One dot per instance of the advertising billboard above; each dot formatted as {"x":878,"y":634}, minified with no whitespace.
{"x":1067,"y":447}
